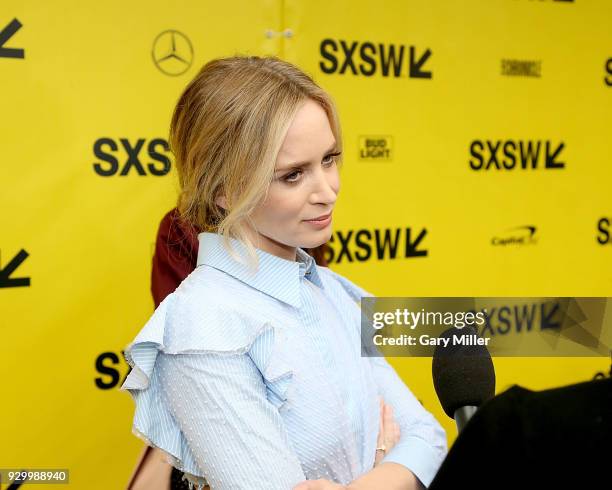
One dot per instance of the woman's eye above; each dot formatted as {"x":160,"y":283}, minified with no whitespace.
{"x":328,"y":161}
{"x":333,"y":157}
{"x":288,"y":178}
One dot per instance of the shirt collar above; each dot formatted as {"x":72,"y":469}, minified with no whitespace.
{"x":277,"y":277}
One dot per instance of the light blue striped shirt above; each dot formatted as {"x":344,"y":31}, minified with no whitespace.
{"x":256,"y":381}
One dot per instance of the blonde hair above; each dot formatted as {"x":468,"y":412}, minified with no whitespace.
{"x":226,"y":131}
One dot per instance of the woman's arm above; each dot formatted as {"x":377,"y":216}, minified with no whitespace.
{"x":390,"y":476}
{"x":422,"y":445}
{"x":235,"y":434}
{"x":387,"y":476}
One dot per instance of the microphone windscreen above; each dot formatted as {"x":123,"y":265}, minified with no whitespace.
{"x":463,"y":373}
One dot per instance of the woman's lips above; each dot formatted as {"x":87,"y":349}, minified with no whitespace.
{"x":319,"y":223}
{"x":321,"y":218}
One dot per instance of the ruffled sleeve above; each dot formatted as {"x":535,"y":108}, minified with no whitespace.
{"x":208,"y":384}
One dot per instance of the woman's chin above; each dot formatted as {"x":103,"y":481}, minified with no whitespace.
{"x":317,"y":241}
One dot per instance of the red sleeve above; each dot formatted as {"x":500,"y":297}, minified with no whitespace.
{"x":176,"y":254}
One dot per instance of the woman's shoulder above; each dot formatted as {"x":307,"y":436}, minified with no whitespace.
{"x":206,"y":279}
{"x":335,"y":281}
{"x":221,"y":290}
{"x":205,"y":313}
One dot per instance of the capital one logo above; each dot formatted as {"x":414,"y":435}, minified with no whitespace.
{"x":172,"y":53}
{"x":520,"y":235}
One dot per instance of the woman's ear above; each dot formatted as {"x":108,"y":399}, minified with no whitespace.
{"x":221,"y":202}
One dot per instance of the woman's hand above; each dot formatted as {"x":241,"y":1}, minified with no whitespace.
{"x":320,"y":484}
{"x":388,"y":436}
{"x":388,"y":433}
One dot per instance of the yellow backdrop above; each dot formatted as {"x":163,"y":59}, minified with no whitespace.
{"x":477,"y":140}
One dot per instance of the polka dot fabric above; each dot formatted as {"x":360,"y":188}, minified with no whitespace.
{"x":256,"y":381}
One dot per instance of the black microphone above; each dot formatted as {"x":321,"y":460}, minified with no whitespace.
{"x":463,"y":374}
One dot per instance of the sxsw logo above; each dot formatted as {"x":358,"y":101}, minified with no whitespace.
{"x":368,"y":59}
{"x":109,"y":366}
{"x":387,"y":244}
{"x":10,"y":277}
{"x":123,"y":157}
{"x":6,"y":33}
{"x":376,"y":148}
{"x":511,"y":155}
{"x":603,"y":231}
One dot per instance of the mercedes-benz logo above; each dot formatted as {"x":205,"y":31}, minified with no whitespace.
{"x":172,"y":52}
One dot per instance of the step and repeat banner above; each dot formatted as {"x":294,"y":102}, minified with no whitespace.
{"x":477,"y":156}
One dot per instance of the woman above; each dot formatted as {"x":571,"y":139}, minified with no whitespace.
{"x":249,"y":374}
{"x":176,"y":256}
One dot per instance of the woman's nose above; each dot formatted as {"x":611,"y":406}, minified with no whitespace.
{"x":327,"y":186}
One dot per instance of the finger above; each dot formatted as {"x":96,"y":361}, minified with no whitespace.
{"x":388,"y":412}
{"x":390,"y":424}
{"x":381,"y":426}
{"x":378,"y":457}
{"x":388,"y":417}
{"x":397,"y":432}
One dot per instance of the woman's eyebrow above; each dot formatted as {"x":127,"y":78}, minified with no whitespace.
{"x":302,"y":164}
